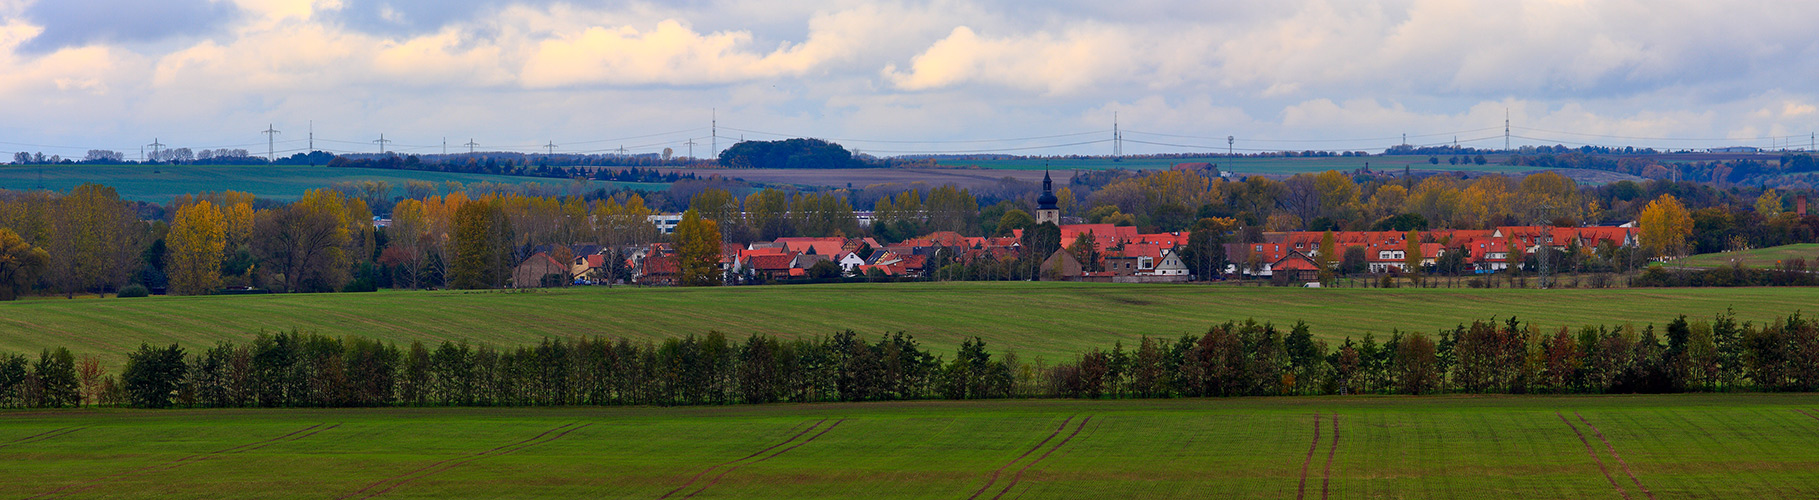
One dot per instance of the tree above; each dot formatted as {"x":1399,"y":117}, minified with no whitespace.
{"x":1086,"y":250}
{"x":307,"y":241}
{"x":698,"y":249}
{"x":1411,"y":255}
{"x":1356,"y":261}
{"x":825,"y":269}
{"x":1205,"y":252}
{"x":152,"y":375}
{"x":1014,"y":219}
{"x":482,"y":243}
{"x":57,"y":378}
{"x":20,"y":264}
{"x":1328,"y":256}
{"x":1769,"y":204}
{"x":1665,"y":225}
{"x":95,"y":240}
{"x":408,"y":241}
{"x":196,"y":241}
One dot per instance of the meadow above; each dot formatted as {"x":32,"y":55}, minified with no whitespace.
{"x":1756,"y":446}
{"x":1249,"y":165}
{"x":161,"y":183}
{"x":1756,"y":258}
{"x":1052,"y":320}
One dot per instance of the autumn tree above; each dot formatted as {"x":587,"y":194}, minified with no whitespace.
{"x":408,"y":241}
{"x":1769,"y":204}
{"x":306,"y":242}
{"x":1327,"y":256}
{"x":196,"y":240}
{"x":20,"y":264}
{"x":1665,"y":225}
{"x":482,"y":246}
{"x":698,"y":249}
{"x":95,"y":240}
{"x":1411,"y":254}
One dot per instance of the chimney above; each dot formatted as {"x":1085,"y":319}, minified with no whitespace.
{"x":1800,"y":206}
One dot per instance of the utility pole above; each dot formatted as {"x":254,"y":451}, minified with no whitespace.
{"x":271,"y":135}
{"x":470,"y":145}
{"x":382,"y":140}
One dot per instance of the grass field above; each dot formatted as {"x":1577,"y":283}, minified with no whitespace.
{"x":161,"y":183}
{"x":1053,"y":320}
{"x":1248,"y":165}
{"x":1759,"y":258}
{"x":1754,"y":446}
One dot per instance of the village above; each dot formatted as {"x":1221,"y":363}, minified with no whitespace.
{"x":1124,"y":255}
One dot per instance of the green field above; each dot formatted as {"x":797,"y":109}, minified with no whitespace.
{"x":1753,"y":446}
{"x":1394,"y":163}
{"x":161,"y":183}
{"x":1053,"y":320}
{"x":1758,"y":258}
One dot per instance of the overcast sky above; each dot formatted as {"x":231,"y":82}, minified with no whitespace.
{"x":592,"y":76}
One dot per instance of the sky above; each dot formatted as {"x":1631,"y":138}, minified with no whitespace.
{"x":889,"y":78}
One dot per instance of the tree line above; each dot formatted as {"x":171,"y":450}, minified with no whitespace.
{"x":296,"y":369}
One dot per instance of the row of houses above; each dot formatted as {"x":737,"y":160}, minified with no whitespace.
{"x":1484,"y":251}
{"x":1124,"y":254}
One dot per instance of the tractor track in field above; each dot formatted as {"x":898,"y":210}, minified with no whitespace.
{"x":1301,"y":491}
{"x":1026,"y":466}
{"x":446,"y":464}
{"x":1326,"y":477}
{"x":53,"y":433}
{"x":1593,"y":452}
{"x":1620,"y":461}
{"x":729,"y":470}
{"x":174,"y":464}
{"x":697,"y":476}
{"x":1809,"y":415}
{"x":1026,"y":453}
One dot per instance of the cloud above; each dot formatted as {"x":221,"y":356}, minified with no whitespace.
{"x":1073,"y":61}
{"x":74,"y":23}
{"x":669,"y":53}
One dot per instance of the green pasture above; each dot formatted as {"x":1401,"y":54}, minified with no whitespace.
{"x":1052,"y":320}
{"x":1394,"y":163}
{"x":1759,"y":258}
{"x":161,"y":183}
{"x":1750,"y":446}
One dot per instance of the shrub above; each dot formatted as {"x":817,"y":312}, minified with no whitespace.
{"x":133,"y":291}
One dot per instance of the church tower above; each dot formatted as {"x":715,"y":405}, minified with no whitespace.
{"x":1046,"y":211}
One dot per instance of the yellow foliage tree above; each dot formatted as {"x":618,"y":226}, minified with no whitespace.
{"x":197,"y":237}
{"x":1769,"y":204}
{"x":698,"y":249}
{"x":1665,"y":226}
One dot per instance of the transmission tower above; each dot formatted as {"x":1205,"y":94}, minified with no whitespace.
{"x":1506,"y":129}
{"x":1117,"y":140}
{"x":1229,"y":140}
{"x":552,"y":148}
{"x":271,"y":136}
{"x":311,"y":154}
{"x":382,"y":140}
{"x":470,"y":145}
{"x":155,"y":145}
{"x":713,"y":127}
{"x":691,"y":148}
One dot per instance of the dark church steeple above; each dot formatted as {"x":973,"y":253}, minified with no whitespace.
{"x":1046,"y":209}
